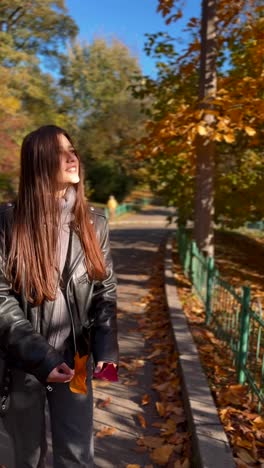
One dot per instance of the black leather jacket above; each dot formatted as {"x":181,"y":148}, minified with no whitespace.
{"x":92,"y":306}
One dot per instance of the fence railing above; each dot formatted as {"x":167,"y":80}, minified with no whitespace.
{"x":230,"y":313}
{"x":257,"y":225}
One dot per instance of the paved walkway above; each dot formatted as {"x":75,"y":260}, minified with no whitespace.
{"x":135,"y":241}
{"x":134,"y":244}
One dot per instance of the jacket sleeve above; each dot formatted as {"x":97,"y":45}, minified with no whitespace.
{"x":104,"y":336}
{"x":20,"y":345}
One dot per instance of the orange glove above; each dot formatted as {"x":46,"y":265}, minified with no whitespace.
{"x":78,"y":383}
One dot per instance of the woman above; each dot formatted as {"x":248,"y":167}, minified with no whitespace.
{"x":57,"y":303}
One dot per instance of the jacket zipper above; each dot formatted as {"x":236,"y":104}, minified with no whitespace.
{"x":72,"y":322}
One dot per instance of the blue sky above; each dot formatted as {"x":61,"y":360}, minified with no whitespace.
{"x":127,"y":20}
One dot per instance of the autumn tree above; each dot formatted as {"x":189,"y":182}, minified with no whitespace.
{"x":102,"y":113}
{"x":32,"y":34}
{"x":230,"y":117}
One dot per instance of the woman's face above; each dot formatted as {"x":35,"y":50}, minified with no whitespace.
{"x":69,"y":164}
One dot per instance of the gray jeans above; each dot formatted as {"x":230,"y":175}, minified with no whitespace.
{"x":71,"y":421}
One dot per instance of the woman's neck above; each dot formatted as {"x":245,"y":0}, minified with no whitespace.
{"x":61,"y":192}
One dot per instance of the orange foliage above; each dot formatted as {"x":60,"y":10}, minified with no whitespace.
{"x":238,"y":106}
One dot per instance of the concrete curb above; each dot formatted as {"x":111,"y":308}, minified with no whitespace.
{"x":211,"y":448}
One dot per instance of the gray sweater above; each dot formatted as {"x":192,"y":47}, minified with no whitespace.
{"x":56,"y":320}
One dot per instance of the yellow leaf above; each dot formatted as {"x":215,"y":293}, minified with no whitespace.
{"x":162,"y":454}
{"x":132,"y":466}
{"x":229,"y":138}
{"x":250,"y":131}
{"x":139,"y":363}
{"x":258,"y":423}
{"x":218,"y":136}
{"x":201,"y":130}
{"x":247,"y":444}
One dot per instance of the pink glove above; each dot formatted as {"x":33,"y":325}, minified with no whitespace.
{"x":108,"y":372}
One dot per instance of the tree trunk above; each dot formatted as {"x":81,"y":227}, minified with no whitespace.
{"x":205,"y":148}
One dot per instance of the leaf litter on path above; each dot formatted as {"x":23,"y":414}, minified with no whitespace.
{"x":167,"y":439}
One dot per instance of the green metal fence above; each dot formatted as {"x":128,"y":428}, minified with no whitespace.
{"x":258,"y":225}
{"x":230,"y":313}
{"x":128,"y":207}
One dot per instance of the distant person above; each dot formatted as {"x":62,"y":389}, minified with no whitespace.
{"x":112,"y":206}
{"x":57,"y":304}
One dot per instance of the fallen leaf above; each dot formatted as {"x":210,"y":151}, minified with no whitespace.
{"x":152,"y":441}
{"x":133,"y":466}
{"x":100,"y":383}
{"x":140,"y":449}
{"x":168,"y":428}
{"x":207,"y":348}
{"x":177,"y":438}
{"x":131,"y":383}
{"x":186,"y":463}
{"x":139,"y":363}
{"x":142,"y":420}
{"x":104,"y":403}
{"x":155,"y":353}
{"x":161,"y":387}
{"x":106,"y":431}
{"x":247,"y":444}
{"x":258,"y":423}
{"x":160,"y":408}
{"x":124,"y":364}
{"x":240,"y":463}
{"x":140,"y":441}
{"x":145,"y":399}
{"x":162,"y":454}
{"x":245,"y":456}
{"x":178,"y":448}
{"x":157,"y":424}
{"x":177,"y":464}
{"x":233,"y":394}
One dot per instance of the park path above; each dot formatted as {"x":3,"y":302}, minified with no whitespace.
{"x":135,"y":240}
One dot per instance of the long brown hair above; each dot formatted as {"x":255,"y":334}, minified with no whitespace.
{"x":32,"y":263}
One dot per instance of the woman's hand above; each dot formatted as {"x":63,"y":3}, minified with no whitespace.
{"x":100,"y":366}
{"x":61,"y":374}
